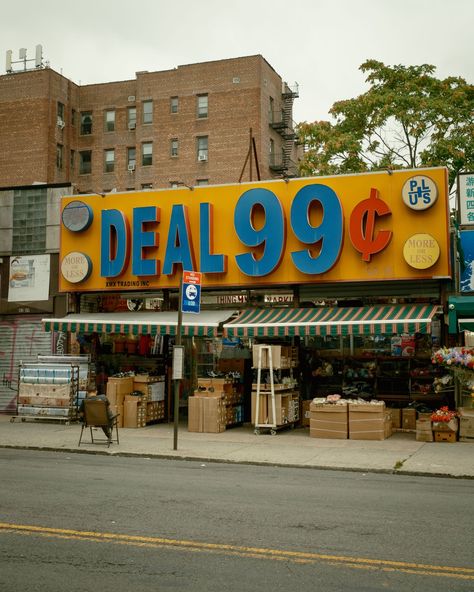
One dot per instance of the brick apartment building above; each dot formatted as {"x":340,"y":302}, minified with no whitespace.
{"x":190,"y":125}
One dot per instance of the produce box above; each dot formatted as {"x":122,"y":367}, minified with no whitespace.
{"x":328,"y":421}
{"x":446,"y":426}
{"x":444,"y":436}
{"x":367,"y":421}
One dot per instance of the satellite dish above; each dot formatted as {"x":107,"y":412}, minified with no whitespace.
{"x":134,"y":304}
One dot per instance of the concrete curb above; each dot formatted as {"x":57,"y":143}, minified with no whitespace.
{"x":204,"y":459}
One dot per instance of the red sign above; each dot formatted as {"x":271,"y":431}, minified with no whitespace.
{"x":191,"y":277}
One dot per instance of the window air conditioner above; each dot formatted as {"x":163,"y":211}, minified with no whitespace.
{"x":131,"y":168}
{"x":132,"y":126}
{"x":202,"y":157}
{"x":60,"y":123}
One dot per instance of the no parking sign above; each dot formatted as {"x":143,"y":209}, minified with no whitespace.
{"x":191,"y":293}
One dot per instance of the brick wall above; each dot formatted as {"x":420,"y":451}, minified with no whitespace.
{"x":238,"y":96}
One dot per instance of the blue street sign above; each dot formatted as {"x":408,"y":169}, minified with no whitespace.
{"x":191,"y":292}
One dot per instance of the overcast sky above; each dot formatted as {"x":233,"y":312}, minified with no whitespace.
{"x":319,"y":44}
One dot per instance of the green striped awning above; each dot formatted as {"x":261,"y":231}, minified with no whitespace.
{"x":466,"y":324}
{"x":204,"y":324}
{"x":367,"y":320}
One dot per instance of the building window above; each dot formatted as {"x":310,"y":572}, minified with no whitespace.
{"x":86,"y":123}
{"x":29,"y":221}
{"x":174,"y":147}
{"x":147,"y":185}
{"x":131,"y":158}
{"x":174,"y":105}
{"x":202,"y":149}
{"x":271,"y":109}
{"x":202,"y":182}
{"x":60,"y":112}
{"x":109,"y":121}
{"x":59,"y":157}
{"x":202,"y":106}
{"x":147,"y":153}
{"x":147,"y":111}
{"x":73,"y":117}
{"x":85,"y":162}
{"x":72,"y":161}
{"x":109,"y":160}
{"x":132,"y":118}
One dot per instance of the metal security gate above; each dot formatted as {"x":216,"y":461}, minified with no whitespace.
{"x":22,"y":338}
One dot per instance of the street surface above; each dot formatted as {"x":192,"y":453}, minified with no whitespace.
{"x":81,"y":522}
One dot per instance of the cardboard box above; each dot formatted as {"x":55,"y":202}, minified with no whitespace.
{"x":446,"y":426}
{"x":134,"y":413}
{"x":328,"y":421}
{"x":305,"y":414}
{"x":195,"y":418}
{"x":444,"y":436}
{"x":424,"y":431}
{"x":409,"y":419}
{"x":118,"y":409}
{"x":265,"y":361}
{"x":466,"y":422}
{"x":396,"y":418}
{"x":367,"y":421}
{"x":115,"y":398}
{"x":286,"y":410}
{"x":117,"y":388}
{"x":206,"y":414}
{"x":388,"y":427}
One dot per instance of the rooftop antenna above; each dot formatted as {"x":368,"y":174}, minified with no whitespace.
{"x":22,"y":54}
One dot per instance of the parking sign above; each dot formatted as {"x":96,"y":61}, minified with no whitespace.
{"x":191,"y":292}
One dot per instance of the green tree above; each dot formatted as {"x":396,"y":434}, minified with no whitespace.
{"x":408,"y":118}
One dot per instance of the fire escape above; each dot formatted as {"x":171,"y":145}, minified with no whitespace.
{"x":281,"y":121}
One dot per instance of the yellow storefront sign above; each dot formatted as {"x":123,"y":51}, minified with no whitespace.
{"x":347,"y":228}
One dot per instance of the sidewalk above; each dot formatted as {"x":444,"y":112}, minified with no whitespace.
{"x":292,"y":448}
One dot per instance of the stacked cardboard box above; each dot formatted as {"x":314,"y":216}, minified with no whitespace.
{"x":44,"y":395}
{"x":134,"y":412}
{"x":466,"y":424}
{"x":409,"y":419}
{"x":206,"y":414}
{"x":328,"y":420}
{"x":155,"y":411}
{"x":118,"y":410}
{"x":118,"y":388}
{"x":396,"y":418}
{"x":388,"y":424}
{"x":367,"y":421}
{"x":424,"y":430}
{"x":445,"y":431}
{"x":152,"y":387}
{"x":286,"y":408}
{"x":305,"y":413}
{"x":283,"y":356}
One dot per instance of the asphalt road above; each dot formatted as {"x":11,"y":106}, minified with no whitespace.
{"x":85,"y":522}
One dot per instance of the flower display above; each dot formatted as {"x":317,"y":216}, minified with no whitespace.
{"x":454,"y":357}
{"x":443,"y":414}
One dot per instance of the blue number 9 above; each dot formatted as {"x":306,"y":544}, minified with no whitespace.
{"x":329,"y":231}
{"x":271,"y":235}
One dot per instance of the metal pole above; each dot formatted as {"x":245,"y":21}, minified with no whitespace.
{"x":177,"y":381}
